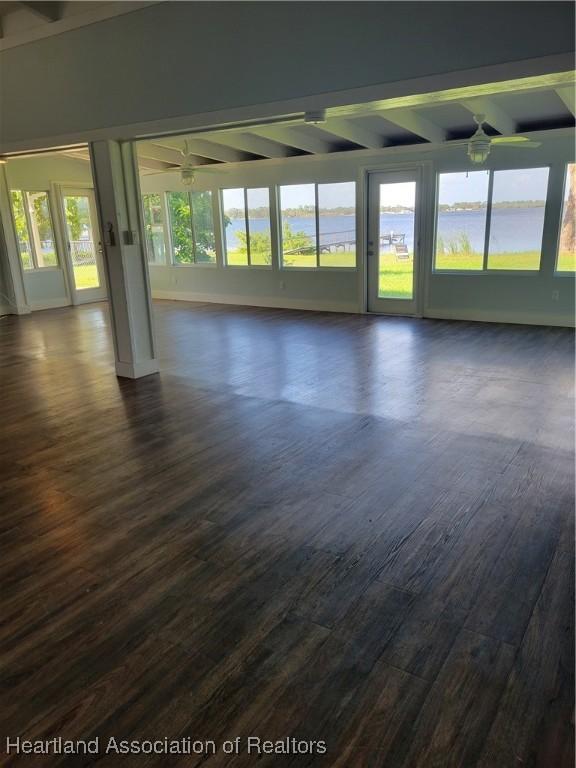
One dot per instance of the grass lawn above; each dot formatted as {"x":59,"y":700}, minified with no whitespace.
{"x":239,"y":258}
{"x":566,"y":262}
{"x":339,"y":259}
{"x":86,"y":276}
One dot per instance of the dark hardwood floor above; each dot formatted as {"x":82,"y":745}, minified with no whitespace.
{"x":348,"y":529}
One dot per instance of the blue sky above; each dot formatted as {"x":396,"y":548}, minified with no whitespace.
{"x":522,"y":184}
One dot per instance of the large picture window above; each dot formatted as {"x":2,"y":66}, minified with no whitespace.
{"x":318,"y":225}
{"x":490,"y":220}
{"x":192,"y":227}
{"x":566,"y":261}
{"x":517,"y":219}
{"x":247,"y":227}
{"x":461,"y":220}
{"x":34,"y":229}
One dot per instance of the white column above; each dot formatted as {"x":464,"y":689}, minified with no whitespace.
{"x":117,"y":189}
{"x":12,"y":291}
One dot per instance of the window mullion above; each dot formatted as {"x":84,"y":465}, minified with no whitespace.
{"x":317,"y":226}
{"x":247,"y":227}
{"x":488,"y":221}
{"x":31,"y":238}
{"x":193,"y":233}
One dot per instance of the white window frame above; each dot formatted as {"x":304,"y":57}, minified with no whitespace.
{"x":485,"y":268}
{"x":245,"y":191}
{"x":318,"y":267}
{"x":29,"y":226}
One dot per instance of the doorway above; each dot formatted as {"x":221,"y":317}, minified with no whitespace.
{"x":83,"y":245}
{"x":393,"y":242}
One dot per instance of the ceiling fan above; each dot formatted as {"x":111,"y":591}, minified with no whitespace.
{"x":189,"y":167}
{"x":480,"y":144}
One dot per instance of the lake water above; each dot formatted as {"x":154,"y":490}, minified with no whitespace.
{"x":512,"y":229}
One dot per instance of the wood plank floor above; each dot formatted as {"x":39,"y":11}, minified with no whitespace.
{"x":348,"y":529}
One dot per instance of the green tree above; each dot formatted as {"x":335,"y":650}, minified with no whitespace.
{"x":294,"y":241}
{"x":74,"y":217}
{"x":189,"y":210}
{"x":260,"y":246}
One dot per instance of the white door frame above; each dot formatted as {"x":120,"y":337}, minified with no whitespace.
{"x":85,"y":295}
{"x":376,"y":304}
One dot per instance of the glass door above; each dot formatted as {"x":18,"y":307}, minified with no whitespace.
{"x":393,"y":242}
{"x":84,"y":245}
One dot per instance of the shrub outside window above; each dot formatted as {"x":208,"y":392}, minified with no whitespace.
{"x":192,"y":227}
{"x":34,"y":229}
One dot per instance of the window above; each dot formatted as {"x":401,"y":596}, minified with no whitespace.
{"x":567,"y":244}
{"x":318,"y":225}
{"x":461,"y":220}
{"x":517,"y":219}
{"x":192,"y":227}
{"x":154,"y":228}
{"x":337,"y":224}
{"x":247,"y":227}
{"x":490,"y":220}
{"x":34,"y":230}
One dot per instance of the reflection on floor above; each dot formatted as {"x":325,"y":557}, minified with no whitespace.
{"x":333,"y":527}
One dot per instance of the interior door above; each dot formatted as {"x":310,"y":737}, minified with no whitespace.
{"x":84,"y":246}
{"x":393,"y":225}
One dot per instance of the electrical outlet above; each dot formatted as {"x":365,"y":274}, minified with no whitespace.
{"x":555,"y":295}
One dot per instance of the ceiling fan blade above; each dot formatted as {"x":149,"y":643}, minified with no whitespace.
{"x":519,"y":141}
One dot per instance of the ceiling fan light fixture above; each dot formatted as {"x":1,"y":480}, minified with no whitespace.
{"x":187,"y":176}
{"x":478,"y":150}
{"x":315,"y":117}
{"x":479,"y":144}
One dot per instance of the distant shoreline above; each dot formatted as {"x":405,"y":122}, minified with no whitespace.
{"x":459,"y":207}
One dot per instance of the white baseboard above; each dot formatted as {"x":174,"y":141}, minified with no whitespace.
{"x":136,"y":370}
{"x":13,"y":309}
{"x":259,"y":301}
{"x":487,"y":316}
{"x":35,"y":306}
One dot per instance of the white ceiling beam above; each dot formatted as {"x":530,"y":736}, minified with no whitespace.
{"x":49,"y":11}
{"x":294,"y":136}
{"x":568,"y":95}
{"x":156,"y":152}
{"x":156,"y":165}
{"x":415,"y":123}
{"x":351,"y":130}
{"x":205,"y":149}
{"x":256,"y":145}
{"x":493,"y":113}
{"x":169,"y":154}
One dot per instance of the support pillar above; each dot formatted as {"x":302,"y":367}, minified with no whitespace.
{"x":12,"y":291}
{"x":117,"y":187}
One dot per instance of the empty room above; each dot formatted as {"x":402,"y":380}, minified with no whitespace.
{"x":287,"y":309}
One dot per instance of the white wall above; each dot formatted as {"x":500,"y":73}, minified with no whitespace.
{"x":183,"y":59}
{"x":502,"y":297}
{"x":514,"y":298}
{"x":47,"y":287}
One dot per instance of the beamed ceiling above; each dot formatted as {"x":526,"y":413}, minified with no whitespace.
{"x":512,"y":108}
